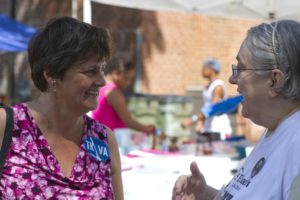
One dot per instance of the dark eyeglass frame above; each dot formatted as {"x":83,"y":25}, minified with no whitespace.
{"x":236,"y":70}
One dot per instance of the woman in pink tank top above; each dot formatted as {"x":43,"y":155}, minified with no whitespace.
{"x":105,"y":112}
{"x":112,"y":109}
{"x":56,"y":151}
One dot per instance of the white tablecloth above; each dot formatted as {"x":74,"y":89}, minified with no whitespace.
{"x":152,"y":177}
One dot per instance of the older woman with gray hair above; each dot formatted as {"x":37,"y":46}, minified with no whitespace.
{"x":267,"y":74}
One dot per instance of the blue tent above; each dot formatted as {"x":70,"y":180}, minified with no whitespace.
{"x":14,"y":36}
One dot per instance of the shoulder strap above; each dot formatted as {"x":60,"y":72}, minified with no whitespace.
{"x":7,"y":136}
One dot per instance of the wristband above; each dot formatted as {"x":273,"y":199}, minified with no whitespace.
{"x":195,"y":118}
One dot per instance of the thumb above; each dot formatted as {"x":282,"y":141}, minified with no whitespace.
{"x":195,"y":170}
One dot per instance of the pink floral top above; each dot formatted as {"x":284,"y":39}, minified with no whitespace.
{"x":32,"y":171}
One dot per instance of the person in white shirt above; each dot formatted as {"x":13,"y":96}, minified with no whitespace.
{"x":267,"y":74}
{"x":214,"y":92}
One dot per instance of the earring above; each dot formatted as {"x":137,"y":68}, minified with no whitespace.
{"x":54,"y":85}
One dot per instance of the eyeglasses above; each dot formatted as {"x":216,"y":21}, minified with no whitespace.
{"x":236,"y":70}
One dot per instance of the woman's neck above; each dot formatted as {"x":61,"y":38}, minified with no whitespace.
{"x":280,"y":114}
{"x":211,"y":79}
{"x":55,"y":118}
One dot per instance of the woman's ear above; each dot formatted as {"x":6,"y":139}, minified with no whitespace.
{"x":51,"y":82}
{"x":47,"y":77}
{"x":276,"y":82}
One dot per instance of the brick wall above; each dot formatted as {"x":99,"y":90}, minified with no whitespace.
{"x":175,"y":44}
{"x":188,"y":40}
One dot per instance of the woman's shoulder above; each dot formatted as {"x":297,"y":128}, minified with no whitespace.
{"x":218,"y":82}
{"x":214,"y":84}
{"x":95,"y":128}
{"x":291,"y":126}
{"x":291,"y":139}
{"x":20,"y":111}
{"x":110,"y":90}
{"x":109,"y":87}
{"x":20,"y":107}
{"x":17,"y":109}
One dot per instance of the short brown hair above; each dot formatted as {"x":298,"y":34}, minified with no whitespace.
{"x":62,"y":43}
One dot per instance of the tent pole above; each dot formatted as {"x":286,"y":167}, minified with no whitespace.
{"x":13,"y":9}
{"x":11,"y":67}
{"x":138,"y":64}
{"x":74,"y":9}
{"x":87,"y":11}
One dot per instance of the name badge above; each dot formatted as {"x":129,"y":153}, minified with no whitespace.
{"x":97,"y":148}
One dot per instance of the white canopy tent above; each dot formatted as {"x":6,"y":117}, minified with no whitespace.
{"x":248,"y":9}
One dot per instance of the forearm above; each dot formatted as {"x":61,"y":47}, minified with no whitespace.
{"x":118,"y":186}
{"x":133,"y":124}
{"x":116,"y":172}
{"x":192,"y":120}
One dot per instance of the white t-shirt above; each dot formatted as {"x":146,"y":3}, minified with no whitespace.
{"x":272,"y":166}
{"x":220,"y":123}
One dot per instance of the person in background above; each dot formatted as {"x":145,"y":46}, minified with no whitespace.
{"x":267,"y":76}
{"x":112,"y":109}
{"x":54,"y":153}
{"x":213,"y":93}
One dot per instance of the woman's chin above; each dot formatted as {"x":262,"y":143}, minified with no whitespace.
{"x":91,"y":105}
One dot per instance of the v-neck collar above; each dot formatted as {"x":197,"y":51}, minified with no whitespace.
{"x":49,"y":157}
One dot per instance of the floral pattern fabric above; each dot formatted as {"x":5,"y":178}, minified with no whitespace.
{"x":32,"y":171}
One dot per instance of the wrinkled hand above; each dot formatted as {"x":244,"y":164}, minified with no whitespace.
{"x":190,"y":187}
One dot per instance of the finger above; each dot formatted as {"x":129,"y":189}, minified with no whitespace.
{"x":180,"y":184}
{"x":195,"y":170}
{"x":176,"y":197}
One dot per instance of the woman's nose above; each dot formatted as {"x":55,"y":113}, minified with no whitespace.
{"x":232,"y":80}
{"x":100,"y":80}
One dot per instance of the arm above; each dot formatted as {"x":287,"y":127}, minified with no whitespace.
{"x":218,"y":94}
{"x":197,"y":118}
{"x":2,"y":125}
{"x":224,"y":106}
{"x":117,"y":100}
{"x":116,"y":166}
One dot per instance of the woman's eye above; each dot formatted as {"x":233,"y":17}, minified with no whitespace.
{"x":94,"y":71}
{"x":91,"y":71}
